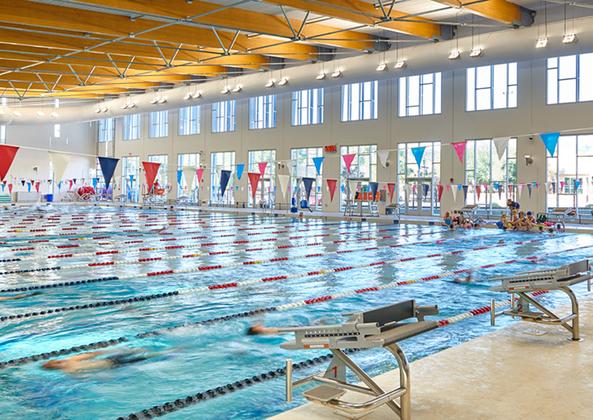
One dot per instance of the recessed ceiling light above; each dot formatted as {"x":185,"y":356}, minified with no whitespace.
{"x":382,"y":67}
{"x":400,"y":64}
{"x":542,"y":42}
{"x":569,"y":38}
{"x":283,"y":81}
{"x":320,"y":76}
{"x":337,"y":73}
{"x":476,"y":52}
{"x":454,"y":54}
{"x":270,"y":83}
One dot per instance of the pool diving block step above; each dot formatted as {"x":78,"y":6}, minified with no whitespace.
{"x":378,"y":328}
{"x":527,"y":286}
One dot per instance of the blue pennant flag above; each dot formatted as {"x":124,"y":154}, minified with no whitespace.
{"x":225,"y":176}
{"x":28,"y":186}
{"x":108,"y":165}
{"x":550,"y":141}
{"x":418,"y":153}
{"x":577,"y":184}
{"x":374,"y":186}
{"x":131,"y":181}
{"x":308,"y":183}
{"x":179,"y":176}
{"x":95,"y":183}
{"x":240,"y":169}
{"x":318,"y":161}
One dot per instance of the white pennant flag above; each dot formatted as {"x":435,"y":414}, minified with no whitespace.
{"x":283,"y":183}
{"x":383,"y":156}
{"x":60,"y":163}
{"x":454,"y":192}
{"x":353,"y":185}
{"x":289,"y":167}
{"x":501,"y":144}
{"x":189,"y":173}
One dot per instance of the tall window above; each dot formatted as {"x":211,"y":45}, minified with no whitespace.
{"x":363,"y":168}
{"x":266,"y":191}
{"x":262,"y":112}
{"x":420,"y":95}
{"x":307,"y":107}
{"x":359,"y":101}
{"x":187,"y":161}
{"x":131,"y":127}
{"x":223,"y":116}
{"x":482,"y":166}
{"x":218,"y":162}
{"x":570,"y":173}
{"x":417,"y":186}
{"x":492,"y":87}
{"x":106,"y":130}
{"x":303,"y":166}
{"x":159,"y":124}
{"x":130,"y":182}
{"x":162,"y":176}
{"x":189,"y":120}
{"x":2,"y":134}
{"x":570,"y":79}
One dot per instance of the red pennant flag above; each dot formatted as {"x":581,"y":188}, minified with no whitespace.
{"x":262,"y":167}
{"x":459,"y":147}
{"x":348,"y":160}
{"x":200,"y":174}
{"x":253,"y":180}
{"x":440,"y":189}
{"x":70,"y":184}
{"x":10,"y":188}
{"x":151,"y":169}
{"x":37,"y":184}
{"x":478,"y":191}
{"x":391,"y":189}
{"x":7,"y":154}
{"x":331,"y":186}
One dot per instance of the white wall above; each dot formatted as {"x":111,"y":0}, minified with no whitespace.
{"x":454,"y":124}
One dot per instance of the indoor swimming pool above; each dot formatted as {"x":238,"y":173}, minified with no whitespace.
{"x":180,"y":289}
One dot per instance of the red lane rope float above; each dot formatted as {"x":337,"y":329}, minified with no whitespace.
{"x":319,"y":299}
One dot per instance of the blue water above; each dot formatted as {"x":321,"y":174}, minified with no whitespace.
{"x":197,"y":358}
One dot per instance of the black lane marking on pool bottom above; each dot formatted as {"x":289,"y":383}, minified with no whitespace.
{"x":108,"y":343}
{"x":10,"y":260}
{"x":184,"y":402}
{"x":60,"y":284}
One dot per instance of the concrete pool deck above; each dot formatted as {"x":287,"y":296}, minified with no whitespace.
{"x":523,"y":371}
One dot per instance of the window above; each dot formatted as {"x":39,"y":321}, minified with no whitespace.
{"x":307,"y":107}
{"x":106,"y":130}
{"x":303,"y":166}
{"x":159,"y":124}
{"x":570,"y":173}
{"x":218,"y":162}
{"x":162,"y":175}
{"x":223,"y":116}
{"x":363,"y":168}
{"x":420,"y":95}
{"x":2,"y":134}
{"x":417,"y":187}
{"x":570,"y":79}
{"x":359,"y":101}
{"x":57,"y":131}
{"x":482,"y":166}
{"x":130,"y":182}
{"x":262,"y":112}
{"x":189,"y":120}
{"x":492,"y":87}
{"x":187,"y":186}
{"x":267,"y":184}
{"x":131,"y":127}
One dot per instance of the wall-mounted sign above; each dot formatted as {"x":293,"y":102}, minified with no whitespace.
{"x":332,"y":148}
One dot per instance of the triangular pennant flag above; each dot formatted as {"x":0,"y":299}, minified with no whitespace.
{"x":501,"y":144}
{"x":348,"y":160}
{"x":225,"y":176}
{"x":262,"y":167}
{"x":440,"y":192}
{"x":60,"y":163}
{"x":383,"y":157}
{"x":353,"y":186}
{"x":418,"y":153}
{"x":189,"y":174}
{"x":529,"y":186}
{"x":308,"y":183}
{"x":577,"y":185}
{"x":240,"y":169}
{"x":374,"y":187}
{"x":391,"y":189}
{"x":253,"y":180}
{"x":465,"y":188}
{"x":10,"y":188}
{"x":478,"y":191}
{"x":179,"y":176}
{"x":454,"y":192}
{"x":459,"y":147}
{"x":95,"y":183}
{"x":69,"y":185}
{"x":331,"y":187}
{"x":7,"y":154}
{"x":37,"y":185}
{"x":318,"y":161}
{"x":550,"y":141}
{"x":283,"y":183}
{"x":108,"y":165}
{"x":200,"y":174}
{"x":151,"y":169}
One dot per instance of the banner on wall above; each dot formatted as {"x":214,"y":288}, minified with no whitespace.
{"x":108,"y":165}
{"x":225,"y":176}
{"x":283,"y":183}
{"x":308,"y":183}
{"x":151,"y":169}
{"x":240,"y":169}
{"x":418,"y":153}
{"x":318,"y":161}
{"x":550,"y":141}
{"x":348,"y":160}
{"x":7,"y":154}
{"x":459,"y":147}
{"x":331,"y":187}
{"x":253,"y":180}
{"x":59,"y":162}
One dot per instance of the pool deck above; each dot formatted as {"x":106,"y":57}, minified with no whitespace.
{"x":524,"y":371}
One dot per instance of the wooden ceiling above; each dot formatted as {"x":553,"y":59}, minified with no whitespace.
{"x":96,"y":48}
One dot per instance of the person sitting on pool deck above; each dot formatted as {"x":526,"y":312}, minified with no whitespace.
{"x":512,"y":205}
{"x":18,"y":297}
{"x":91,"y":362}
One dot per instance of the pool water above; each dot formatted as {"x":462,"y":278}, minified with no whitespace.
{"x":194,"y":358}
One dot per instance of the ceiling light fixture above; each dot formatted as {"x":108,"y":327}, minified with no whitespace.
{"x":476,"y":52}
{"x":283,"y":81}
{"x":337,"y":73}
{"x":542,"y":42}
{"x":570,"y":38}
{"x":270,"y":83}
{"x":154,"y":100}
{"x":162,"y":100}
{"x":400,"y":64}
{"x":320,"y":76}
{"x":454,"y":54}
{"x":237,"y":89}
{"x":225,"y":90}
{"x":382,"y":66}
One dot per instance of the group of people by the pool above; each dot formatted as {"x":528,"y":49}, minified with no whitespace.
{"x":515,"y":220}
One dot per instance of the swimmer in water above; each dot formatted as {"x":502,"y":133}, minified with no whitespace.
{"x":18,"y":297}
{"x":92,"y":362}
{"x":259,"y":329}
{"x":467,"y":279}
